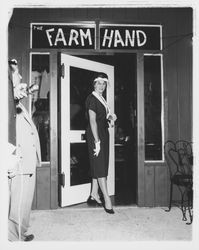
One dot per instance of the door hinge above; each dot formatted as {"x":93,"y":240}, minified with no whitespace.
{"x":62,"y":179}
{"x":62,"y":70}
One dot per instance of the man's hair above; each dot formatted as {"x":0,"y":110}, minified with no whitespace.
{"x":12,"y":62}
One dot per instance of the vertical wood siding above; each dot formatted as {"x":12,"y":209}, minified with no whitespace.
{"x":42,"y":189}
{"x":149,"y":173}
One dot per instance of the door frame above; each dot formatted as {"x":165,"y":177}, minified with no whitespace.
{"x":55,"y":113}
{"x":140,"y":131}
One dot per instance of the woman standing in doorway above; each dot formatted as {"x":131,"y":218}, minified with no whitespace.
{"x":99,"y":117}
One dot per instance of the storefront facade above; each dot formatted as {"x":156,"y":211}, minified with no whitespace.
{"x":147,"y":55}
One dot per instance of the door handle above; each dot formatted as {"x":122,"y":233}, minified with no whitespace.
{"x":83,"y":137}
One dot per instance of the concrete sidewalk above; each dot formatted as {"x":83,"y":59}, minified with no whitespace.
{"x":93,"y":224}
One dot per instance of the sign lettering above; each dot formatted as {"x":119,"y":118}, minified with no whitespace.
{"x":63,"y":36}
{"x":79,"y":36}
{"x":130,"y":37}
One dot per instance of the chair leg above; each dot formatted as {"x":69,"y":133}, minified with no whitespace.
{"x":170,"y":198}
{"x":183,"y":207}
{"x":190,"y":216}
{"x":190,"y":206}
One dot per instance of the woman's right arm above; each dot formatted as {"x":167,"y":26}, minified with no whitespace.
{"x":93,"y":124}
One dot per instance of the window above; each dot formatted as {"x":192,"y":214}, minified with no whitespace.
{"x":39,"y":101}
{"x":153,"y":97}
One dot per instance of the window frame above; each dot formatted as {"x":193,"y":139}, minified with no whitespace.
{"x":162,"y":109}
{"x":30,"y":96}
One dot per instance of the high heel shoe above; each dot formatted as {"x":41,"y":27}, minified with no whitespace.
{"x":93,"y":202}
{"x":109,"y":211}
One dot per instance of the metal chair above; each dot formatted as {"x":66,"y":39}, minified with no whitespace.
{"x":179,"y":160}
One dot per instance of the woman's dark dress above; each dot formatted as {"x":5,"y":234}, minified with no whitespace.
{"x":98,"y":164}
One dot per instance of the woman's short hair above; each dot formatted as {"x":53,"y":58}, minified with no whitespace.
{"x":99,"y":76}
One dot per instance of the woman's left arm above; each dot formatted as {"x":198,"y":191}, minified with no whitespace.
{"x":94,"y":129}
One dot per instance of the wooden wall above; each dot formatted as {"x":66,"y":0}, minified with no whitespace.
{"x":177,"y":66}
{"x":42,"y":189}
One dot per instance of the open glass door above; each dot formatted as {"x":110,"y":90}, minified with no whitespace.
{"x":76,"y":85}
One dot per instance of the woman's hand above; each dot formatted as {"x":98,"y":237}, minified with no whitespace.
{"x":97,"y":148}
{"x":112,"y":117}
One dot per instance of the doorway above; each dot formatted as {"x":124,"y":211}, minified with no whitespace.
{"x":125,"y":103}
{"x":125,"y":130}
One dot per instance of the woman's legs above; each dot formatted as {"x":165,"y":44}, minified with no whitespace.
{"x":94,"y":190}
{"x":103,"y":186}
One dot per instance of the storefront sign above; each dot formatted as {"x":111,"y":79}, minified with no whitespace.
{"x":139,"y":37}
{"x":68,"y":36}
{"x":83,"y":36}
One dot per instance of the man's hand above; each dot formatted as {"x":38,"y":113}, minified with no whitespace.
{"x":20,"y":91}
{"x":13,"y":166}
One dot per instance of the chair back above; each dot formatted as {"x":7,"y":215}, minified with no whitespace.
{"x":179,"y":157}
